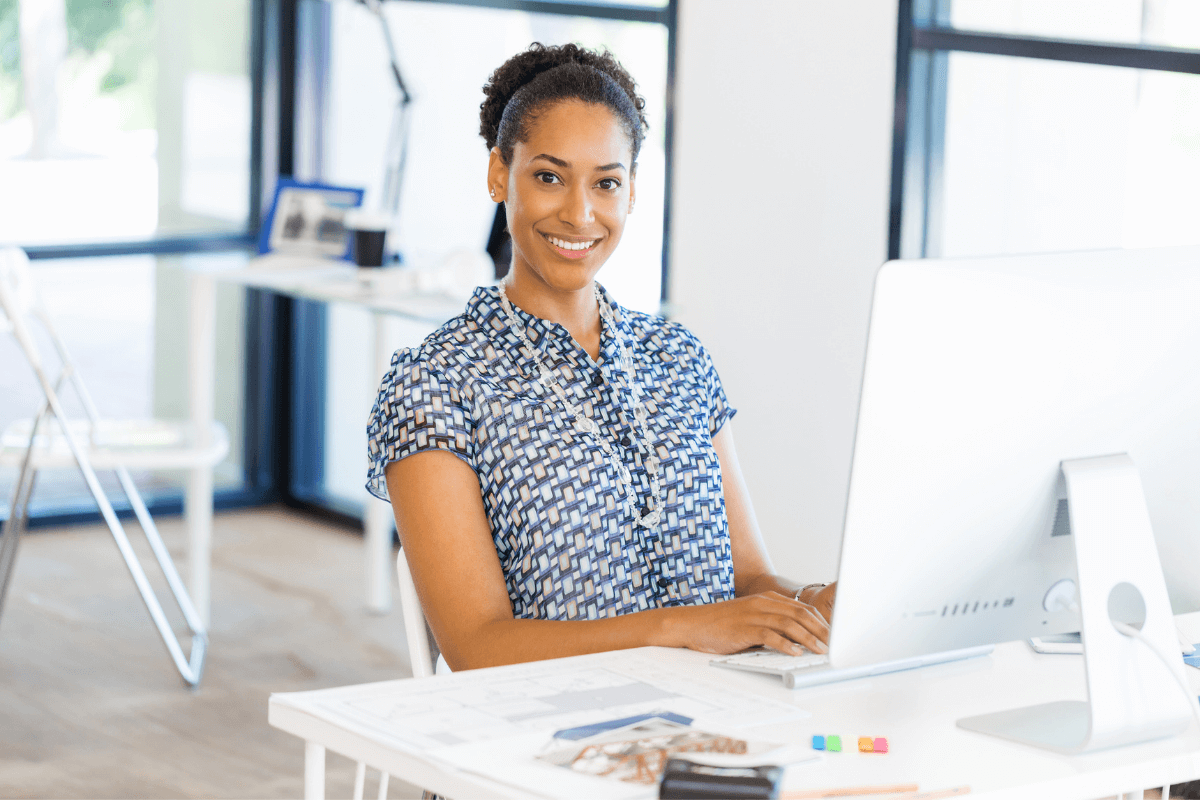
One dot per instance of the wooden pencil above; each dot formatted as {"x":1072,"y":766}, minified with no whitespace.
{"x":908,"y":789}
{"x":936,"y":794}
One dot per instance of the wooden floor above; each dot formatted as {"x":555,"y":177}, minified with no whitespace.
{"x":91,"y":705}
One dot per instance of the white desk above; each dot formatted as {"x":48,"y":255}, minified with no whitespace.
{"x":915,"y":710}
{"x":388,"y":292}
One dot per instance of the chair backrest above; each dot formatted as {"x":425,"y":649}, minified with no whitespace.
{"x":19,"y":304}
{"x":415,"y":628}
{"x":17,"y":297}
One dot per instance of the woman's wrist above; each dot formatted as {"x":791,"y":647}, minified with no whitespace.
{"x":669,"y":627}
{"x":806,"y":593}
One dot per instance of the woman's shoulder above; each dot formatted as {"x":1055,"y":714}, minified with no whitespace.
{"x":656,"y":334}
{"x":457,"y":344}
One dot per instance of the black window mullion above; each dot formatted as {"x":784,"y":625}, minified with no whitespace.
{"x":1169,"y":59}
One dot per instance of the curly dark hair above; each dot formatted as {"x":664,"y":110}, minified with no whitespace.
{"x":540,"y":76}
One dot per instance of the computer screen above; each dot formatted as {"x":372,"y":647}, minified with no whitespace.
{"x":981,"y":377}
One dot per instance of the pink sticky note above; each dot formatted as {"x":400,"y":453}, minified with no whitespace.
{"x":880,"y":745}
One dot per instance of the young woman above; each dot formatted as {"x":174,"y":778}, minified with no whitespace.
{"x":562,"y":469}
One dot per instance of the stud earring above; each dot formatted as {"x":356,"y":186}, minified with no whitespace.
{"x":493,"y":192}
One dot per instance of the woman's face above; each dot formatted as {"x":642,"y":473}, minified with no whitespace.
{"x":566,"y":193}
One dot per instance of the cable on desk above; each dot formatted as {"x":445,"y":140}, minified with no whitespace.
{"x":1134,"y":633}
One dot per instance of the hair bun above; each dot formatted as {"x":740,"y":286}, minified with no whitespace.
{"x":524,"y":67}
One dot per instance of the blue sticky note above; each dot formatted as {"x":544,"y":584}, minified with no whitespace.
{"x":1194,"y":659}
{"x":818,"y":743}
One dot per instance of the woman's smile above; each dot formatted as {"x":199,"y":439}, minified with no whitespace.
{"x":571,"y":249}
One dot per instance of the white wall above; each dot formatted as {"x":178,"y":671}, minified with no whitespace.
{"x":779,"y":222}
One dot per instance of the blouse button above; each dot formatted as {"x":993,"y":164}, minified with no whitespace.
{"x":598,"y":381}
{"x":662,"y":584}
{"x":625,"y":441}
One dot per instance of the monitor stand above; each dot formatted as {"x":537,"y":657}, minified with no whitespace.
{"x":1130,"y":697}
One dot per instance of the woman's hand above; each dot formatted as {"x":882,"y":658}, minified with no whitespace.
{"x":769,"y":618}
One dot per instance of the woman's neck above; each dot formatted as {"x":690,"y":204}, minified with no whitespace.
{"x":576,"y":310}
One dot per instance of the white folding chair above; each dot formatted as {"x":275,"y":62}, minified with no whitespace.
{"x":52,"y":440}
{"x":419,"y":655}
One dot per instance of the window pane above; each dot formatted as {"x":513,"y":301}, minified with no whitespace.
{"x":1171,"y":23}
{"x":124,"y":323}
{"x":123,"y":120}
{"x":1044,"y":156}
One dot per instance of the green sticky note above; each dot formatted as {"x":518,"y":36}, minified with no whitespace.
{"x":833,"y":744}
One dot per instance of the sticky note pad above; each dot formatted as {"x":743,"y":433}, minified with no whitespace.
{"x":833,"y":744}
{"x":880,"y":744}
{"x":818,"y":743}
{"x":865,"y":744}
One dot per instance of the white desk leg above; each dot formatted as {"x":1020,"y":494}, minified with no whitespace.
{"x":314,"y":771}
{"x":197,"y":509}
{"x":377,"y":522}
{"x":1138,"y":795}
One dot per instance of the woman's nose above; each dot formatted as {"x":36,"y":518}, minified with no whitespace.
{"x":577,"y":208}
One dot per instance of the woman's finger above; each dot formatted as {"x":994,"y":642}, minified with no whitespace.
{"x":811,"y":618}
{"x":787,"y":626}
{"x":781,"y":643}
{"x":810,"y":639}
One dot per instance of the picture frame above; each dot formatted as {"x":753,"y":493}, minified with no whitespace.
{"x":306,"y":219}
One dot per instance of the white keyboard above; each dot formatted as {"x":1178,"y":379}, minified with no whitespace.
{"x":771,"y":662}
{"x":813,"y":669}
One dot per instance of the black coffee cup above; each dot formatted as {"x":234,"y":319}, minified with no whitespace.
{"x":368,"y":233}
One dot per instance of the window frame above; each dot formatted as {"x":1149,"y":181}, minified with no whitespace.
{"x":924,"y":40}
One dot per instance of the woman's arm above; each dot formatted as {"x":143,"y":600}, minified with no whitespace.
{"x":446,"y":537}
{"x":752,"y":570}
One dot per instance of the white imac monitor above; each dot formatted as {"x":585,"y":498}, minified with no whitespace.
{"x":982,"y":376}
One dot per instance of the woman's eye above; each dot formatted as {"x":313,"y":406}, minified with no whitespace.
{"x":547,"y":177}
{"x":609,"y":184}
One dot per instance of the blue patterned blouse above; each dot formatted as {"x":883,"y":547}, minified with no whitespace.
{"x":568,"y":547}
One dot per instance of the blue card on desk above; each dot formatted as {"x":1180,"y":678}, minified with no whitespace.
{"x":1194,"y":659}
{"x":584,"y":731}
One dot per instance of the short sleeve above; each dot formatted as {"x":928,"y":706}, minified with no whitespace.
{"x":418,"y":408}
{"x":719,"y":409}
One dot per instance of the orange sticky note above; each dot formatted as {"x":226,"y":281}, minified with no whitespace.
{"x":865,"y":745}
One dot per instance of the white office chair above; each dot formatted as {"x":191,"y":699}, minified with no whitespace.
{"x":419,"y":655}
{"x":52,"y":440}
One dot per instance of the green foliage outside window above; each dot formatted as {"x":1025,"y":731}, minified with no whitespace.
{"x":119,"y":31}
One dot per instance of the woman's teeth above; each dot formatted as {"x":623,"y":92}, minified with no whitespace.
{"x":571,"y":245}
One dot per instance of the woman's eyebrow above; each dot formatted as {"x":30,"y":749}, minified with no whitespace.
{"x":556,"y":161}
{"x":567,"y":165}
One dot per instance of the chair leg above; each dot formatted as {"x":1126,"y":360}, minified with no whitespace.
{"x":198,"y":516}
{"x":14,"y":527}
{"x":18,"y":510}
{"x":360,"y":778}
{"x":167,"y":565}
{"x":189,"y":671}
